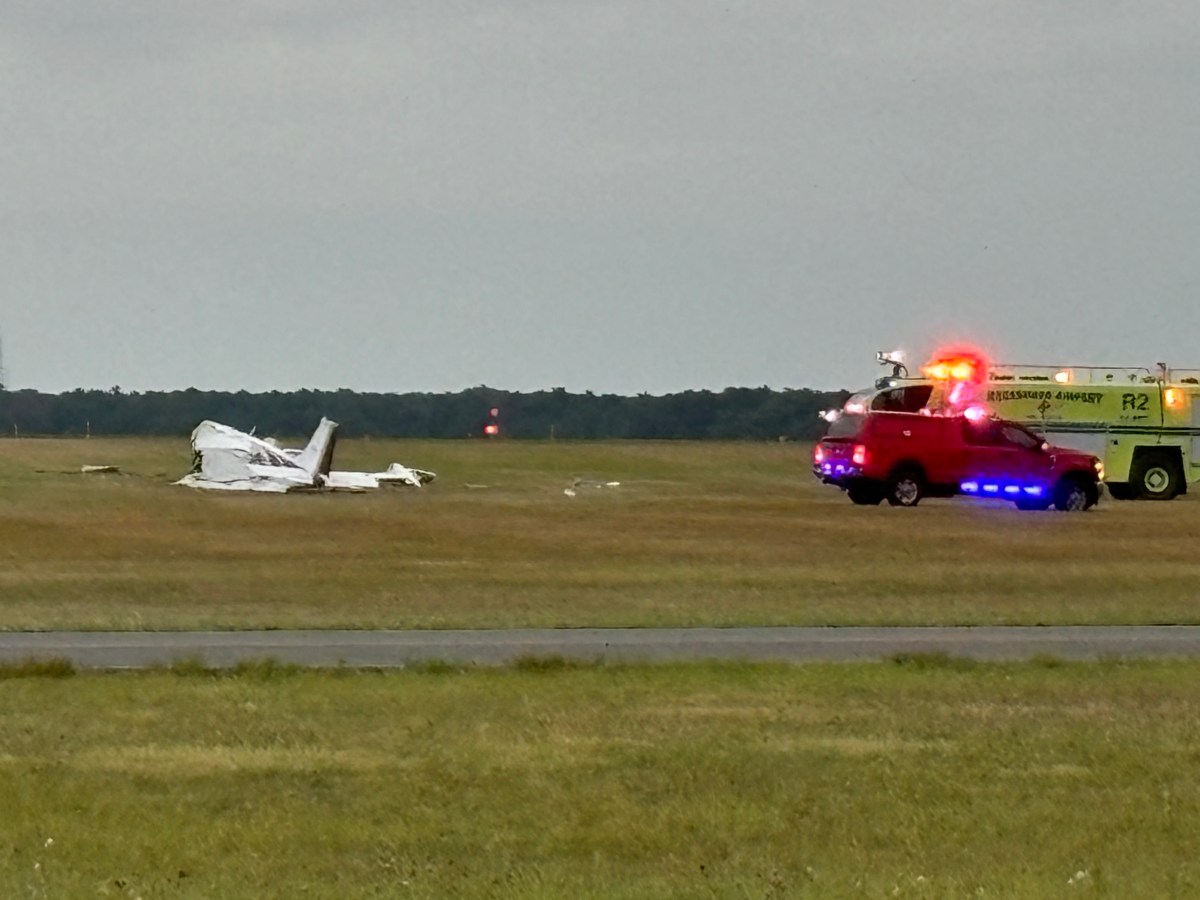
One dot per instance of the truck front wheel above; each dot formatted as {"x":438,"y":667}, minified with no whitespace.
{"x":1075,"y":494}
{"x":1034,"y":503}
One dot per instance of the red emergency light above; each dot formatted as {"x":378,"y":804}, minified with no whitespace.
{"x":959,"y":373}
{"x":957,"y":365}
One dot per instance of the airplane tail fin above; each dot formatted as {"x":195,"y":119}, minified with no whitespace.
{"x":317,"y":457}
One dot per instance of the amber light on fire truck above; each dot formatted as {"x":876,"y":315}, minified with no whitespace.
{"x":1173,"y":398}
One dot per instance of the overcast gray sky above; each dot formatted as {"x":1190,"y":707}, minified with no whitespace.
{"x":621,"y":196}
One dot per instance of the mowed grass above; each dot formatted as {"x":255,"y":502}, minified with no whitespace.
{"x":878,"y":780}
{"x":696,"y":534}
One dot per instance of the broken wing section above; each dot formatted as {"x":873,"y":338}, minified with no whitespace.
{"x":395,"y":474}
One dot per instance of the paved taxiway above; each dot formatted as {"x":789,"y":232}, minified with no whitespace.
{"x":139,"y":649}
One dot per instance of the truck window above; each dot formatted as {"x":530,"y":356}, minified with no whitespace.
{"x":845,"y":426}
{"x":990,"y":433}
{"x":1018,"y":436}
{"x":909,"y":399}
{"x":982,"y":434}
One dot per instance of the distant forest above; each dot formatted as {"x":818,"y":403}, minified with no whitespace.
{"x":734,"y":413}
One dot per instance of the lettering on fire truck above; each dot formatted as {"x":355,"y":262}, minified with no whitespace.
{"x":1078,"y":396}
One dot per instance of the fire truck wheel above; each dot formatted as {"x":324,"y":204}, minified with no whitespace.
{"x":906,"y":487}
{"x":1074,"y":494}
{"x":1155,"y":476}
{"x":1121,"y":491}
{"x":865,"y":493}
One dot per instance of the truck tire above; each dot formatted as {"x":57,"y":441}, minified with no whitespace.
{"x":865,"y":493}
{"x":906,"y":487}
{"x":1155,"y":476}
{"x":1121,"y":490}
{"x":1073,"y":493}
{"x":1034,"y":503}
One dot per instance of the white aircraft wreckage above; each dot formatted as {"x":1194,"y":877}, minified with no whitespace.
{"x":225,"y":459}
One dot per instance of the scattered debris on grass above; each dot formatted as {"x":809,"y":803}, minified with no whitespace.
{"x":583,"y":483}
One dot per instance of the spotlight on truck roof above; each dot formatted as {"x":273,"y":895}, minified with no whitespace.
{"x":895,"y":359}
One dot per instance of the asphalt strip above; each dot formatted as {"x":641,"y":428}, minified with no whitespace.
{"x":395,"y":649}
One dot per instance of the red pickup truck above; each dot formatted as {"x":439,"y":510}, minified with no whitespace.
{"x":901,"y":457}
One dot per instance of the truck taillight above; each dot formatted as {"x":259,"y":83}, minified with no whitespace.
{"x":859,"y":456}
{"x":818,"y":454}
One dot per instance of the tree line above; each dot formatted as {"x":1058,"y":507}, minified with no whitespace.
{"x":734,"y":413}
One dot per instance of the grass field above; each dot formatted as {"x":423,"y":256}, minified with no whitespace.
{"x":932,"y":778}
{"x":880,"y":781}
{"x":696,"y":534}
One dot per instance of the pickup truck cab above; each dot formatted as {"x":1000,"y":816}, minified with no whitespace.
{"x":902,"y":457}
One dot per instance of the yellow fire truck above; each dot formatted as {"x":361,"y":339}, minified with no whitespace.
{"x":1143,"y":423}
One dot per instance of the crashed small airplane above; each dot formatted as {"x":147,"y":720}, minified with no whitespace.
{"x":225,"y":459}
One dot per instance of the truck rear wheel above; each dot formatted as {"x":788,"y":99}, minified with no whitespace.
{"x":1155,"y":476}
{"x":905,"y":488}
{"x":865,"y":493}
